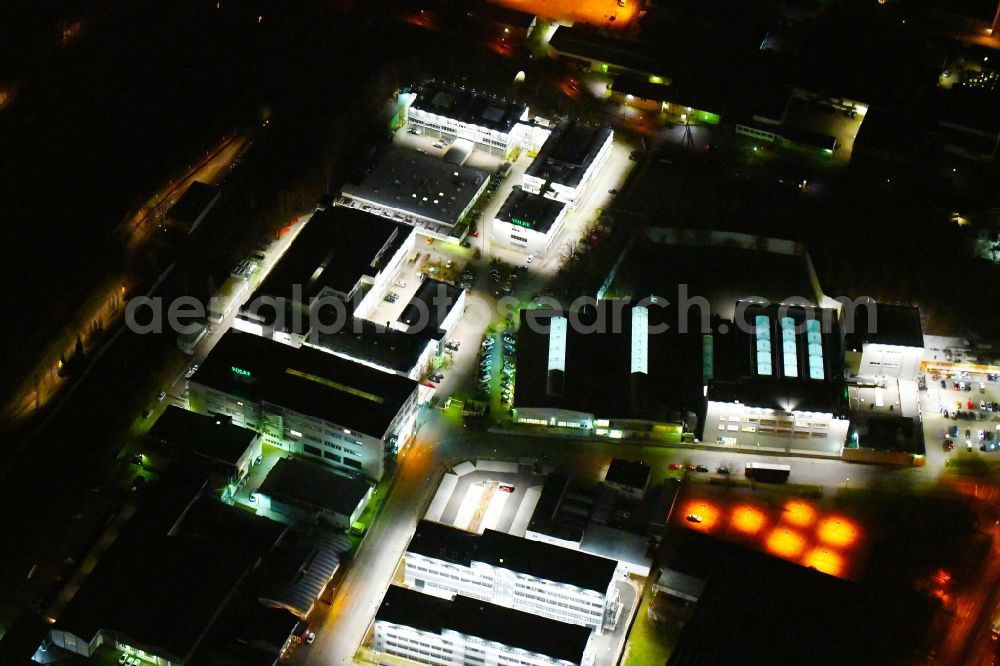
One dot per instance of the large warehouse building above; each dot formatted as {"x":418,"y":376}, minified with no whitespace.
{"x":777,"y":381}
{"x":531,"y":576}
{"x":307,"y":401}
{"x":432,"y":630}
{"x":607,"y":372}
{"x":422,"y":191}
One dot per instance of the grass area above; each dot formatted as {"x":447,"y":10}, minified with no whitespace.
{"x":648,"y":643}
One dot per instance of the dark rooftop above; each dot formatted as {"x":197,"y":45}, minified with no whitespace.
{"x":299,"y":482}
{"x":549,"y":518}
{"x":193,"y":202}
{"x":467,"y":105}
{"x":893,"y":325}
{"x":532,"y":211}
{"x":211,"y":520}
{"x":471,"y":617}
{"x":608,"y":388}
{"x":631,"y":473}
{"x":374,"y":343}
{"x":209,"y":436}
{"x":338,"y":246}
{"x":534,"y":558}
{"x":306,"y":380}
{"x":430,"y":305}
{"x":568,"y":153}
{"x":804,"y":374}
{"x":420,"y":184}
{"x":159,"y":593}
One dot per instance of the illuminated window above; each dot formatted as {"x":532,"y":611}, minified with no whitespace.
{"x":557,"y":344}
{"x":640,"y":340}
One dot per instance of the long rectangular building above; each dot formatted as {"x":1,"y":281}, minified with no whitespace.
{"x":432,"y":630}
{"x":491,"y":123}
{"x":567,"y":161}
{"x":307,"y":401}
{"x":530,"y":576}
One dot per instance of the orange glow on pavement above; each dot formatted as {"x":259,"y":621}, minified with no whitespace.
{"x":824,"y":560}
{"x":748,"y":519}
{"x":707,"y":512}
{"x":799,"y":513}
{"x":837,"y":531}
{"x":606,"y":13}
{"x":785,"y":543}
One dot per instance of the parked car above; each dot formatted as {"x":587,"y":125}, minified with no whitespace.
{"x":161,"y":395}
{"x":693,"y":518}
{"x":675,"y":465}
{"x":701,"y":468}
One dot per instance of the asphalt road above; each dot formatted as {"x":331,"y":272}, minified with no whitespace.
{"x":441,"y":443}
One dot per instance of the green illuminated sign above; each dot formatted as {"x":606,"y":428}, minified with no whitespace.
{"x":521,"y":223}
{"x":240,"y":371}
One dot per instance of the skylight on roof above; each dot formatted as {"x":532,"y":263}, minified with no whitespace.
{"x":814,"y":339}
{"x":640,"y":340}
{"x":763,"y":340}
{"x":789,"y":347}
{"x":557,"y":344}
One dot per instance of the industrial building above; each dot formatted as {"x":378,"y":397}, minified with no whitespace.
{"x":491,"y":123}
{"x":432,"y":630}
{"x":213,"y":442}
{"x":884,"y":341}
{"x":777,"y":381}
{"x":567,"y":161}
{"x":531,"y":576}
{"x":301,"y":490}
{"x":162,"y":585}
{"x":307,"y":401}
{"x":419,"y":190}
{"x":341,"y":254}
{"x":604,"y":372}
{"x":528,"y":222}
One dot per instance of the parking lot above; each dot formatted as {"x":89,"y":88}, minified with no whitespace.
{"x":487,"y":495}
{"x":962,"y":413}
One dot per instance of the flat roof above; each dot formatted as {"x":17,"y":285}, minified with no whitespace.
{"x":490,"y":622}
{"x":642,"y":88}
{"x":775,"y":360}
{"x":430,"y":305}
{"x":159,"y":593}
{"x":735,"y":273}
{"x":568,"y":152}
{"x":631,"y":473}
{"x":532,"y":211}
{"x":209,"y":436}
{"x":208,"y":518}
{"x":468,"y":105}
{"x":374,"y":343}
{"x":306,"y":380}
{"x":597,"y":377}
{"x":535,"y":558}
{"x":196,"y":199}
{"x":596,"y":46}
{"x":548,"y":517}
{"x":893,"y":325}
{"x":338,"y":246}
{"x":296,"y":481}
{"x":420,"y":185}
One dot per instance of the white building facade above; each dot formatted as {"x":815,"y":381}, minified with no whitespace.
{"x":459,"y":649}
{"x":564,"y":602}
